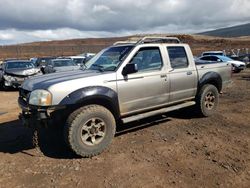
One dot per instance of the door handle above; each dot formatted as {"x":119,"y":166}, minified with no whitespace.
{"x":163,"y":76}
{"x":189,"y":73}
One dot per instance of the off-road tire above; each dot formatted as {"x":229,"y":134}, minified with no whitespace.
{"x":75,"y":123}
{"x":201,"y":107}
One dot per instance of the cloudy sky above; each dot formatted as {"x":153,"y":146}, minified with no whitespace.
{"x":37,"y":20}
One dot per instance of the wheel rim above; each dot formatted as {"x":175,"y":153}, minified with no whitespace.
{"x":209,"y":100}
{"x":93,"y":131}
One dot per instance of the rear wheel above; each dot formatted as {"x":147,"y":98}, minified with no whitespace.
{"x":207,"y":100}
{"x":89,"y":130}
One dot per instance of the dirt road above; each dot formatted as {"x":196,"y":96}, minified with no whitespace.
{"x":174,"y":150}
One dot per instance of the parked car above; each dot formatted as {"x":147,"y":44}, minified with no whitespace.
{"x":79,"y":60}
{"x":13,"y":73}
{"x":122,"y":83}
{"x":59,"y":65}
{"x":41,"y":62}
{"x":82,"y":58}
{"x":237,"y":66}
{"x":213,"y":53}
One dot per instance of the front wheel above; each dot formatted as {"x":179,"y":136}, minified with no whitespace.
{"x":89,"y":130}
{"x":207,"y":100}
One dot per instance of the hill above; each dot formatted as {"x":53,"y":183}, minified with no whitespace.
{"x":235,"y":31}
{"x":198,"y":43}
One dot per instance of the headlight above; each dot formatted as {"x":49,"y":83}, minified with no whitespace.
{"x":28,"y":72}
{"x":40,"y":97}
{"x":8,"y":78}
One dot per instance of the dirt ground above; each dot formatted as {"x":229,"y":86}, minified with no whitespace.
{"x":173,"y":150}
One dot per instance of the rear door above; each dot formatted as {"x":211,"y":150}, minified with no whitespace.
{"x":183,"y":74}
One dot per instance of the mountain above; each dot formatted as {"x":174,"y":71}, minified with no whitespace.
{"x":235,"y":31}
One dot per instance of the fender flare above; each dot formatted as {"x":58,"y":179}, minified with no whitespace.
{"x":94,"y":95}
{"x":211,"y":78}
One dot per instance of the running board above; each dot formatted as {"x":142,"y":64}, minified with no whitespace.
{"x":155,"y":112}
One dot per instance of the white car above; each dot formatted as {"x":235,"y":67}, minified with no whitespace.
{"x":213,"y":53}
{"x":237,"y":66}
{"x":79,"y":60}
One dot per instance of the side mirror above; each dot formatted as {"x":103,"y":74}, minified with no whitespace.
{"x":129,"y":69}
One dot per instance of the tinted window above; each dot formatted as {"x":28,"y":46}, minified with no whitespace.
{"x":148,"y":59}
{"x":207,"y":58}
{"x":214,"y":58}
{"x":19,"y":65}
{"x":62,"y":63}
{"x":178,"y":57}
{"x":212,"y":53}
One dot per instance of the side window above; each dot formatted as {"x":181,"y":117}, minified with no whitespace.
{"x":212,"y":58}
{"x":148,"y":58}
{"x":207,"y":58}
{"x":178,"y":57}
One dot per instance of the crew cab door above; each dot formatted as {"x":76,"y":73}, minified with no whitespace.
{"x":147,"y":88}
{"x":182,"y":73}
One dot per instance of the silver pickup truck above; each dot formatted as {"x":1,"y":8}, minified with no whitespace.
{"x":125,"y":82}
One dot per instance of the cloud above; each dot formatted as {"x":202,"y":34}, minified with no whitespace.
{"x":50,"y":19}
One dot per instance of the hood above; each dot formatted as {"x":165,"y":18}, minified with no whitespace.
{"x":22,"y":72}
{"x":47,"y":80}
{"x":237,"y":63}
{"x":66,"y":68}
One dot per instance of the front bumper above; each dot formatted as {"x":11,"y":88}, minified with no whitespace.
{"x":35,"y":116}
{"x":13,"y":83}
{"x":241,"y":67}
{"x":32,"y":116}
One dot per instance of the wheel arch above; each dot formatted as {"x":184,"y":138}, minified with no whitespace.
{"x":212,"y":78}
{"x":98,"y":95}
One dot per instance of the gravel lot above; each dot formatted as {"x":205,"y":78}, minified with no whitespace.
{"x":173,"y":150}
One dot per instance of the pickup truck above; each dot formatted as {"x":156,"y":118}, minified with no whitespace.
{"x":123,"y":83}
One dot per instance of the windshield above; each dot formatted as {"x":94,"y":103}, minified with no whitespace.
{"x":62,"y":63}
{"x":19,"y":65}
{"x":108,"y":59}
{"x":225,"y":58}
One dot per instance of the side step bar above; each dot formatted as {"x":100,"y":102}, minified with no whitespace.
{"x":159,"y":111}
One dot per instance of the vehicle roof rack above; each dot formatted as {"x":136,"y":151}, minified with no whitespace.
{"x":125,"y":42}
{"x":158,"y":40}
{"x":148,"y":39}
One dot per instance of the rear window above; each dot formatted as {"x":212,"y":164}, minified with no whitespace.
{"x":178,"y":57}
{"x":62,"y":63}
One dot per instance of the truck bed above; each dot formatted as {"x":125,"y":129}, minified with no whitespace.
{"x":224,"y":69}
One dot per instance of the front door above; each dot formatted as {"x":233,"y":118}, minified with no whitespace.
{"x":147,"y":88}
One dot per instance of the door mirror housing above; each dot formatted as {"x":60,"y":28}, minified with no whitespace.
{"x":129,"y":69}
